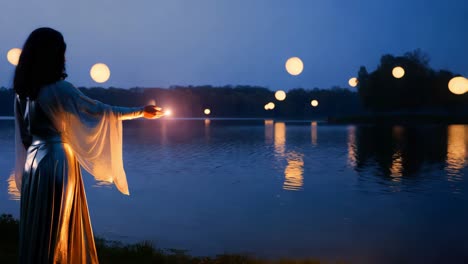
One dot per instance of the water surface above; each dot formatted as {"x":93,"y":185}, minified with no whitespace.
{"x":375,"y":194}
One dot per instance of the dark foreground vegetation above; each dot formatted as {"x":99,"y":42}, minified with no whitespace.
{"x":144,"y":252}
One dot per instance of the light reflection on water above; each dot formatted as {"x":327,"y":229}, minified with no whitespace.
{"x":456,"y":151}
{"x":313,"y":132}
{"x":283,"y":188}
{"x":293,"y":172}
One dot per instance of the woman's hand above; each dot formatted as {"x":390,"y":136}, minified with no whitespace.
{"x":152,"y":112}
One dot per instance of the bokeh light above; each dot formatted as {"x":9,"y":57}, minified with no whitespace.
{"x":458,"y":85}
{"x":398,"y":72}
{"x":13,"y":56}
{"x":294,"y":66}
{"x":207,"y":111}
{"x":280,"y":95}
{"x":168,"y":112}
{"x":271,"y":105}
{"x":314,"y":103}
{"x":100,"y":73}
{"x":353,"y":82}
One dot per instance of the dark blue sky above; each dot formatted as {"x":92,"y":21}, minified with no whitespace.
{"x":218,"y":42}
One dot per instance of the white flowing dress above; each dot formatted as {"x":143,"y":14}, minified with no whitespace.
{"x":56,"y":133}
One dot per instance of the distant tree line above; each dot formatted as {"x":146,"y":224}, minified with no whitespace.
{"x":421,"y":89}
{"x":226,"y":101}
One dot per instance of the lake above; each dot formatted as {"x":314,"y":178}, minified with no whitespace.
{"x":367,"y":194}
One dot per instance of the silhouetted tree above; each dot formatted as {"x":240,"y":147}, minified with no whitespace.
{"x":421,"y":89}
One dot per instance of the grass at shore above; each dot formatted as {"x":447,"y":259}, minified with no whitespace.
{"x":142,"y":253}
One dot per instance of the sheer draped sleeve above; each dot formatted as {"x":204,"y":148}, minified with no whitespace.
{"x":92,"y":129}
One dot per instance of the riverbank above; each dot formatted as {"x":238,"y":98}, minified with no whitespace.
{"x":144,"y":252}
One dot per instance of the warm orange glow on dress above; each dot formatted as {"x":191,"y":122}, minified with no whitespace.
{"x":80,"y":133}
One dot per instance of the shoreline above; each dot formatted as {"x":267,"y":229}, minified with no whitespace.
{"x":117,"y":252}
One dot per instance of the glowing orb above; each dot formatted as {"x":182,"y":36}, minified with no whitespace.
{"x":314,"y":103}
{"x":353,"y":82}
{"x":458,"y":85}
{"x":207,"y":111}
{"x":280,"y":95}
{"x":294,"y":66}
{"x":168,"y":112}
{"x":271,"y":106}
{"x":100,"y":72}
{"x":13,"y":56}
{"x":398,"y":72}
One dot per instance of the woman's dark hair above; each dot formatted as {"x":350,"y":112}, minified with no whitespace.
{"x":42,"y":62}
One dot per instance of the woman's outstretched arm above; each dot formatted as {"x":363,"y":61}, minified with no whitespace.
{"x":95,"y":107}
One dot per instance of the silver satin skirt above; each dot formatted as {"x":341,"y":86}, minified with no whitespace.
{"x":54,"y":220}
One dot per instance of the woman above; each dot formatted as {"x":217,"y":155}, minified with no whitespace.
{"x":58,"y":129}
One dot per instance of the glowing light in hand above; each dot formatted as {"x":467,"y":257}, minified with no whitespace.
{"x":100,"y":73}
{"x":280,"y":95}
{"x":294,"y":66}
{"x":314,"y":103}
{"x":13,"y":56}
{"x":353,"y":82}
{"x":458,"y":85}
{"x":207,"y":111}
{"x":398,"y":72}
